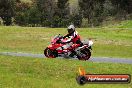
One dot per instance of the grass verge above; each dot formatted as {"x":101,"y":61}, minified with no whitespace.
{"x":107,"y":42}
{"x":26,"y":72}
{"x":118,"y":24}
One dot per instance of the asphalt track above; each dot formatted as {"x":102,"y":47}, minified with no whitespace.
{"x":93,"y":59}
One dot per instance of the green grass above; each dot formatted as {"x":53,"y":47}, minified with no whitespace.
{"x":107,"y":42}
{"x":26,"y":72}
{"x":118,"y":24}
{"x":126,"y":24}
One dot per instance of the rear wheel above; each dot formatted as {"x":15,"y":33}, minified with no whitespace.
{"x":85,"y":54}
{"x":50,"y":53}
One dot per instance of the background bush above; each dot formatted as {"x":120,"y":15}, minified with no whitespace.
{"x":61,"y":13}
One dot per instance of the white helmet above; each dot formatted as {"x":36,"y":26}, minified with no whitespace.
{"x":71,"y":28}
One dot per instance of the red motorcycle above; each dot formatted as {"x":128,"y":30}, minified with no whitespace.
{"x":58,"y":49}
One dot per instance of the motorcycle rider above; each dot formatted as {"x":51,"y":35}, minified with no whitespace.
{"x":72,"y":37}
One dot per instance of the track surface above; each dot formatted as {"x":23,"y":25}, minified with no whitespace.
{"x":94,"y":59}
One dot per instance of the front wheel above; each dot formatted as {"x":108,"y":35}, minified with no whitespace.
{"x":85,"y":54}
{"x":50,"y":53}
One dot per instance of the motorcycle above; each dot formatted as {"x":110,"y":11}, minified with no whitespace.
{"x":58,"y":49}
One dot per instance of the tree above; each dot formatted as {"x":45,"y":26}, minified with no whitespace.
{"x":22,"y":13}
{"x":122,"y":7}
{"x":27,"y":14}
{"x":46,"y":9}
{"x":7,"y":11}
{"x":92,"y":10}
{"x":130,"y":6}
{"x":62,"y":14}
{"x":76,"y":19}
{"x":76,"y":15}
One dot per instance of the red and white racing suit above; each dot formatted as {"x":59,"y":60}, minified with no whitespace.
{"x":72,"y":38}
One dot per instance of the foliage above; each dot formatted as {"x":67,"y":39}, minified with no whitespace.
{"x":22,"y":13}
{"x":61,"y":13}
{"x":98,"y":10}
{"x":7,"y":11}
{"x":76,"y":19}
{"x":46,"y":9}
